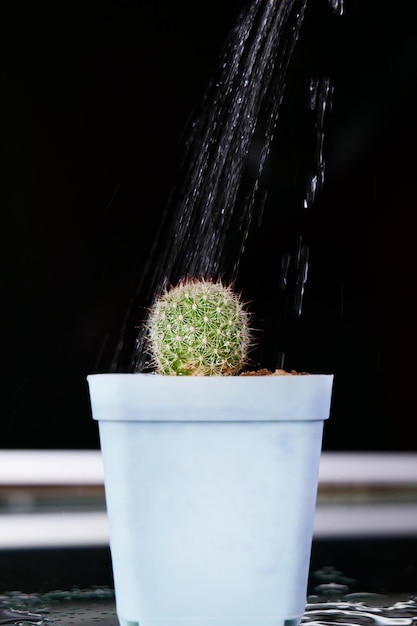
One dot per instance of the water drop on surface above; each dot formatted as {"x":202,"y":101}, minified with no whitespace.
{"x":332,"y":590}
{"x":9,"y":616}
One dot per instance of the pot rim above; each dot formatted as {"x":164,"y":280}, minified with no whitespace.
{"x":154,"y":397}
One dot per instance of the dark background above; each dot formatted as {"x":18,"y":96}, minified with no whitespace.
{"x":96,"y":101}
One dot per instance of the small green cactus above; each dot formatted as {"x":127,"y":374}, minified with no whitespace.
{"x":198,"y":328}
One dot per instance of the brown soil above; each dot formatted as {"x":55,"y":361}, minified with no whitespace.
{"x":265,"y":372}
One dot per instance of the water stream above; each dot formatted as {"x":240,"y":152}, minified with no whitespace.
{"x":208,"y":219}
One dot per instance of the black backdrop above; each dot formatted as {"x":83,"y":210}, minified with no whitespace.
{"x":96,"y":98}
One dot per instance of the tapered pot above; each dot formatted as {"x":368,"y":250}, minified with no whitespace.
{"x":211,"y":487}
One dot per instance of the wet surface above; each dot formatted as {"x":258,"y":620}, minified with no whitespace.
{"x":376,"y":610}
{"x":96,"y":606}
{"x":90,"y":606}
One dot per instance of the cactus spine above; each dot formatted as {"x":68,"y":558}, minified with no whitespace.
{"x":198,"y":328}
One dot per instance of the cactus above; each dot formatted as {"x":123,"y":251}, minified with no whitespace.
{"x":198,"y":328}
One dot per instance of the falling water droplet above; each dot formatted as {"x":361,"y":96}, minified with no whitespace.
{"x":285,"y":264}
{"x":302,"y":275}
{"x":280,"y":360}
{"x":314,"y":85}
{"x":320,"y":102}
{"x":310,"y":191}
{"x":337,"y":6}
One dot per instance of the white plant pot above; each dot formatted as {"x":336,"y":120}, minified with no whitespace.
{"x":211,"y":487}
